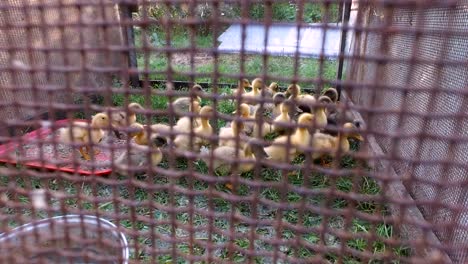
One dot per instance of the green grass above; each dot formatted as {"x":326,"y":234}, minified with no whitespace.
{"x":227,"y":64}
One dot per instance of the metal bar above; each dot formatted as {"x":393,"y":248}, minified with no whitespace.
{"x":345,"y":19}
{"x":129,"y":38}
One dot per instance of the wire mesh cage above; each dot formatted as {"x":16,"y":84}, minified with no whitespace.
{"x":324,"y":131}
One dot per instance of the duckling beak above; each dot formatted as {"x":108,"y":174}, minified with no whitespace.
{"x":235,"y":112}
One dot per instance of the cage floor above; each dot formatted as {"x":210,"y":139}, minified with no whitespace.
{"x":38,"y":150}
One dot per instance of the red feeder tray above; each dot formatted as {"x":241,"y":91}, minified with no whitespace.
{"x":7,"y":152}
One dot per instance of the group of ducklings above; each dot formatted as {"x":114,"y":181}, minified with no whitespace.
{"x":301,"y":122}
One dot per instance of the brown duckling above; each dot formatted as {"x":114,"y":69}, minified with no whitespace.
{"x":262,"y":114}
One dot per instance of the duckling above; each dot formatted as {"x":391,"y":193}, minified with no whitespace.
{"x":301,"y":137}
{"x":182,"y":141}
{"x":281,"y":122}
{"x":278,"y":99}
{"x":137,"y":155}
{"x":253,"y":96}
{"x":320,"y":116}
{"x":271,"y":108}
{"x":273,"y":88}
{"x":332,"y":93}
{"x":245,"y":113}
{"x":78,"y":133}
{"x":228,"y":135}
{"x":224,"y":155}
{"x":119,"y":119}
{"x":336,"y":113}
{"x":241,"y":85}
{"x":182,"y":104}
{"x":266,"y":126}
{"x":184,"y":124}
{"x":140,"y":133}
{"x":303,"y":101}
{"x":323,"y":142}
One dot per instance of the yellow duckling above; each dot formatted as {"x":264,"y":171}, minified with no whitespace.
{"x":282,"y":123}
{"x":224,"y":155}
{"x":300,"y":137}
{"x":253,"y":96}
{"x":182,"y":141}
{"x":303,"y":101}
{"x":122,"y":118}
{"x":244,"y":112}
{"x":241,"y":85}
{"x":320,"y":116}
{"x":324,"y":144}
{"x":182,"y":104}
{"x":78,"y":133}
{"x":137,"y":155}
{"x":228,"y":135}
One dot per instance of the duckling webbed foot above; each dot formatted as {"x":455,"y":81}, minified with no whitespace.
{"x":84,"y":153}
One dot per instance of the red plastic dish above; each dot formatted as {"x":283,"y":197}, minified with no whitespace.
{"x":8,"y":148}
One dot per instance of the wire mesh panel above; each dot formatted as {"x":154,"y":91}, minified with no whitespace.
{"x":419,"y":75}
{"x":224,"y":131}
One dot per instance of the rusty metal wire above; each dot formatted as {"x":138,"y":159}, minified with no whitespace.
{"x":397,"y":197}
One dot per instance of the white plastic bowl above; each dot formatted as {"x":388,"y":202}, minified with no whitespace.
{"x":46,"y":241}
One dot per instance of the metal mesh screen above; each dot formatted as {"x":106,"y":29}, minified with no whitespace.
{"x":166,"y":139}
{"x":422,"y":80}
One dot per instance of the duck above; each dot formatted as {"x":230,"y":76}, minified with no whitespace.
{"x":229,"y":135}
{"x":277,"y":151}
{"x":282,"y":123}
{"x":241,"y":85}
{"x":224,"y":155}
{"x":182,"y":141}
{"x":273,"y":88}
{"x":336,"y":113}
{"x":262,"y":115}
{"x":253,"y":96}
{"x":137,"y":154}
{"x":332,"y":93}
{"x":182,"y":104}
{"x":322,"y":142}
{"x":278,"y":99}
{"x":320,"y":114}
{"x":80,"y":132}
{"x":123,"y":118}
{"x":303,"y":101}
{"x":184,"y":124}
{"x":248,"y":122}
